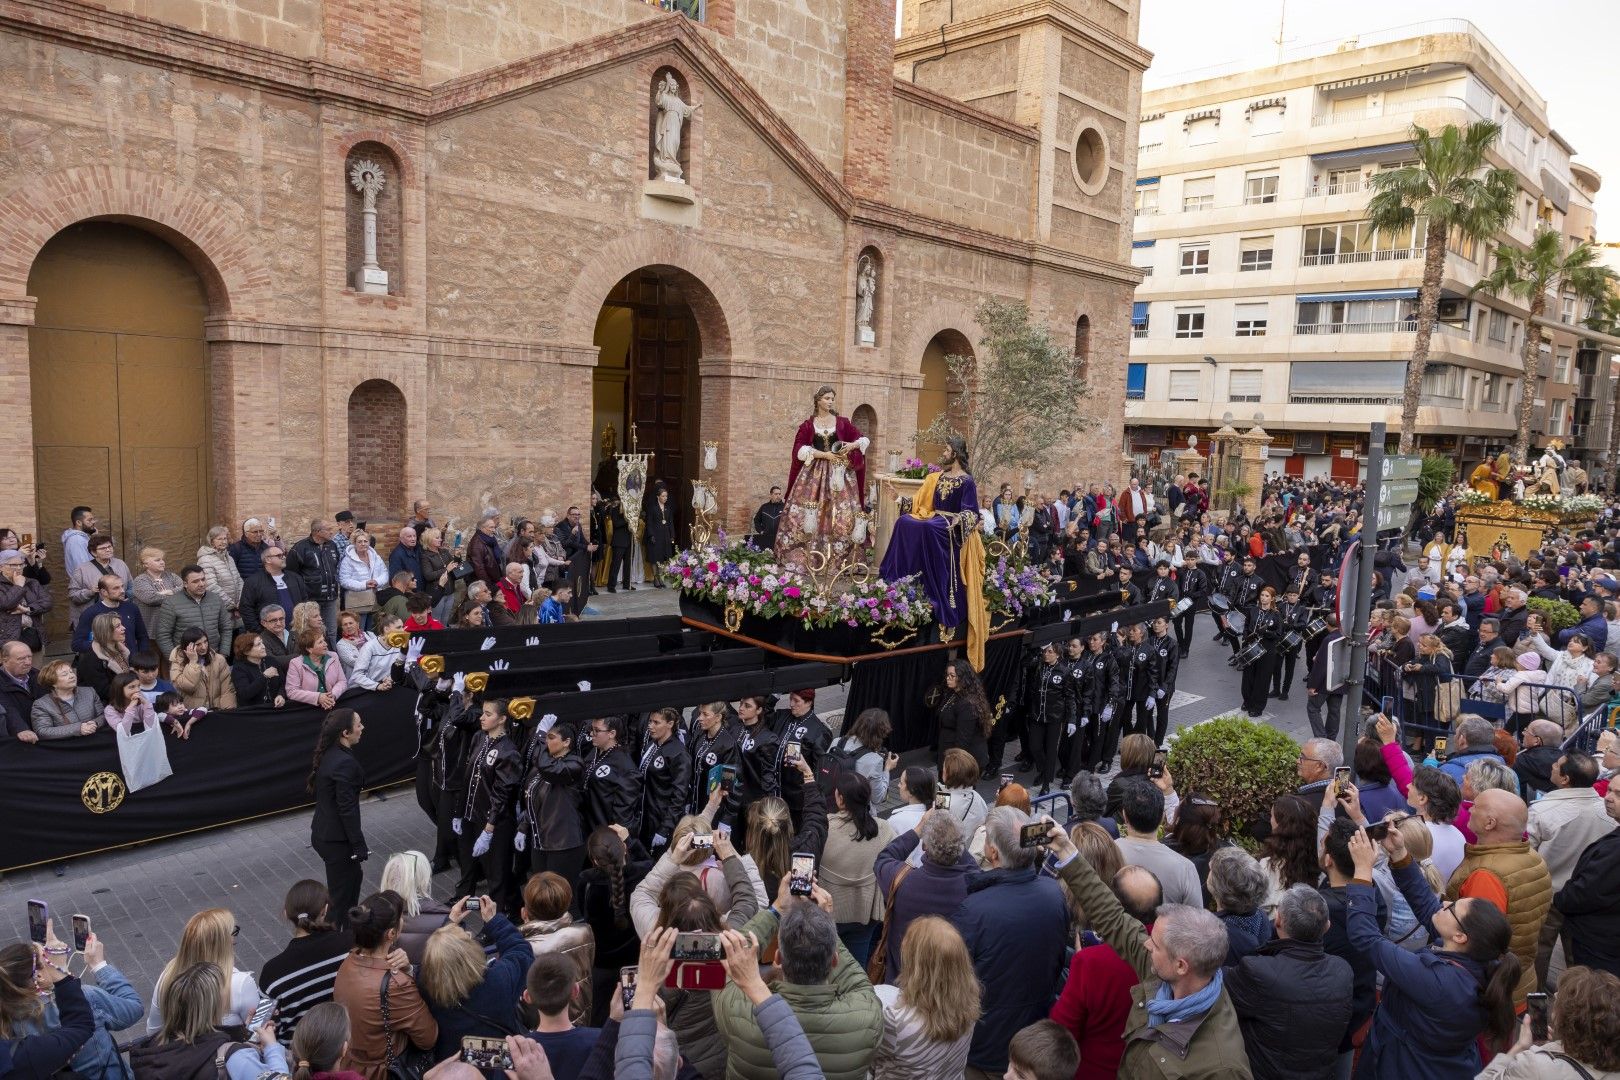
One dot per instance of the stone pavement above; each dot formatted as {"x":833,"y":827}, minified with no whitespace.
{"x":140,"y":898}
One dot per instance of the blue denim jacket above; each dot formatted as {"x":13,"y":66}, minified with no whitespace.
{"x":116,"y":1006}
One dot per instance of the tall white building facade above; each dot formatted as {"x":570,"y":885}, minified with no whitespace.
{"x":1268,"y":296}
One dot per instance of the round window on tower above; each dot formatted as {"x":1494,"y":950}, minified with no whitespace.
{"x":1089,"y":159}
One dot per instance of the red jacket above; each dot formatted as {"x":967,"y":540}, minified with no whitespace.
{"x":510,"y":596}
{"x":413,"y":626}
{"x":1093,"y":1007}
{"x":1257,"y":545}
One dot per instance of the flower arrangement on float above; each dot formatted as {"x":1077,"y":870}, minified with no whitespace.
{"x":916,"y":469}
{"x":1014,"y":586}
{"x":736,"y":573}
{"x":1467,"y":496}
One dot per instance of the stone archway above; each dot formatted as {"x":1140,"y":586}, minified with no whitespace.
{"x":940,"y":392}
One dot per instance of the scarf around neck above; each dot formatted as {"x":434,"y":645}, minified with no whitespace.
{"x":1164,"y":1009}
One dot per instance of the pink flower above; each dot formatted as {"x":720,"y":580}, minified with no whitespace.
{"x":712,"y":567}
{"x":793,"y":591}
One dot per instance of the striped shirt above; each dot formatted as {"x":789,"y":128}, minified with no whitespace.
{"x":301,"y":976}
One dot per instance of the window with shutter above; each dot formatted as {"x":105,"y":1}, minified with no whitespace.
{"x":1244,"y":385}
{"x":1184,"y":384}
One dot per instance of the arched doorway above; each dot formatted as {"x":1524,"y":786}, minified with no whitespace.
{"x":940,"y":390}
{"x":646,"y":393}
{"x":119,"y":380}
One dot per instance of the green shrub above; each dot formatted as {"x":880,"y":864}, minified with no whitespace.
{"x":1557,"y":614}
{"x":1241,"y":764}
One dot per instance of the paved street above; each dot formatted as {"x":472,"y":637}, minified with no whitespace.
{"x":140,"y":898}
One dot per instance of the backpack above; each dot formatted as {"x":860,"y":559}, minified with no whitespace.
{"x":833,"y":764}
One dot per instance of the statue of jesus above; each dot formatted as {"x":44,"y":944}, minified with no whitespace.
{"x":672,"y":115}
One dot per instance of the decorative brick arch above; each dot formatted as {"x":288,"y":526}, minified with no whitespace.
{"x":940,"y":316}
{"x":723,"y":319}
{"x":200,"y":228}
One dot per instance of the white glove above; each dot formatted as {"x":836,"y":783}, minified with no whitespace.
{"x":481,"y":845}
{"x":413,"y":652}
{"x":1084,"y":720}
{"x":1071,"y":729}
{"x":500,"y":665}
{"x":459,"y":683}
{"x":1067,"y":615}
{"x":584,"y":684}
{"x":659,"y":840}
{"x":442,"y":685}
{"x":531,"y":641}
{"x":1107,"y":713}
{"x":547,"y":722}
{"x":1159,"y":694}
{"x":455,"y":826}
{"x":489,"y":643}
{"x":1113,"y":628}
{"x":520,"y":841}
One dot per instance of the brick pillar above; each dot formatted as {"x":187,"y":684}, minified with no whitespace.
{"x":19,"y":503}
{"x":378,"y":37}
{"x":1253,"y":460}
{"x":868,"y":89}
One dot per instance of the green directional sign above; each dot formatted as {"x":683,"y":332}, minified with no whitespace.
{"x":1402,"y":467}
{"x":1398,"y":493}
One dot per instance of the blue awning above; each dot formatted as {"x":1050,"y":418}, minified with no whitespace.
{"x":1364,"y":152}
{"x":1144,"y":181}
{"x":1365,"y":294}
{"x":1139,"y":311}
{"x":1136,"y":379}
{"x":1143,"y":243}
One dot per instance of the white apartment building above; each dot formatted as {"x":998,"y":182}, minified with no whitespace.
{"x":1267,"y":294}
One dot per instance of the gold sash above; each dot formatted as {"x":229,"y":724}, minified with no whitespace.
{"x":971,"y":567}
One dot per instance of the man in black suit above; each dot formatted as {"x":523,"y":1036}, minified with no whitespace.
{"x":579,"y":550}
{"x":272,"y":585}
{"x":1316,"y":689}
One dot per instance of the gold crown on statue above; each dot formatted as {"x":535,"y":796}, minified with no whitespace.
{"x":520,"y":708}
{"x":477,"y":681}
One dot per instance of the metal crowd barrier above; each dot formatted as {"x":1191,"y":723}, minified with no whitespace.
{"x":1384,"y":679}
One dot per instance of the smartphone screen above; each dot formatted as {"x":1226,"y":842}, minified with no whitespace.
{"x":81,"y":932}
{"x":627,"y":984}
{"x":1032,"y":835}
{"x":1535,"y":1005}
{"x":1006,"y":778}
{"x":1387,"y":706}
{"x":1377,"y":831}
{"x":702,"y":840}
{"x":39,"y":914}
{"x":697,"y":946}
{"x":1439,"y":745}
{"x":484,"y":1052}
{"x":942,"y":800}
{"x":1156,"y":769}
{"x":791,"y":752}
{"x":801,"y":873}
{"x":261,"y":1013}
{"x":1341,"y":779}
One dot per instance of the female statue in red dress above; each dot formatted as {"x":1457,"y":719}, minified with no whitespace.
{"x":826,"y":489}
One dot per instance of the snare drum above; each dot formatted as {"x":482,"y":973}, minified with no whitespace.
{"x":1247,"y":655}
{"x":1220,"y":603}
{"x":1290,"y":641}
{"x":1237,"y":622}
{"x":1315,"y":628}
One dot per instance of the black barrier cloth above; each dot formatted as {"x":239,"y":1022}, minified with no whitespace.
{"x":899,"y":686}
{"x":447,"y":641}
{"x":238,"y":764}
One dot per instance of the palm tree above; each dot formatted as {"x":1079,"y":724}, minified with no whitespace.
{"x":1452,"y":189}
{"x":1528,"y":275}
{"x":1605,"y":319}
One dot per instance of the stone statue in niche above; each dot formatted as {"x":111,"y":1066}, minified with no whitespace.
{"x":866,"y":286}
{"x":672,"y":116}
{"x":367,"y":179}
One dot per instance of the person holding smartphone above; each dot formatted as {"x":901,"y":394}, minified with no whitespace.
{"x":113,"y":1004}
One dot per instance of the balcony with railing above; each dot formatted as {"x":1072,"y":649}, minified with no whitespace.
{"x":1398,"y":326}
{"x":1149,"y":148}
{"x":1340,"y":258}
{"x":1399,"y":108}
{"x":1343,"y":187}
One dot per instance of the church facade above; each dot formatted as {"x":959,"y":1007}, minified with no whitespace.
{"x":280,"y":257}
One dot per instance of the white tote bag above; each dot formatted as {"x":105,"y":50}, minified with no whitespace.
{"x":143,"y":757}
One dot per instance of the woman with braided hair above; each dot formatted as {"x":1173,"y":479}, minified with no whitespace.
{"x":603,"y":898}
{"x":335,"y":780}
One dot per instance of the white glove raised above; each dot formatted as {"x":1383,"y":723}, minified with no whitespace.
{"x":499,"y":665}
{"x":520,"y":841}
{"x":481,"y":845}
{"x":413,"y":652}
{"x":489,"y":643}
{"x":455,"y":826}
{"x":584,"y":684}
{"x":531,"y":642}
{"x":1071,"y":729}
{"x":459,"y":683}
{"x":547,"y":722}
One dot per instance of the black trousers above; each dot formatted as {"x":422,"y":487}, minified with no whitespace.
{"x":1044,"y":740}
{"x":1140,"y":722}
{"x":1222,"y":633}
{"x":445,"y":847}
{"x":1161,"y":716}
{"x":1257,"y":681}
{"x":343,"y":879}
{"x":1105,"y":743}
{"x":619,"y":569}
{"x":564,"y":862}
{"x":493,"y":868}
{"x":1184,"y":628}
{"x":1283,"y":678}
